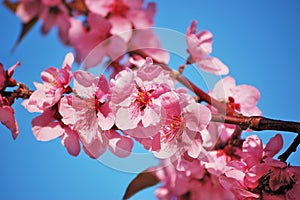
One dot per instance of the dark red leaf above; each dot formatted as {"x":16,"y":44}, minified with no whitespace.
{"x":25,"y":29}
{"x":143,"y":180}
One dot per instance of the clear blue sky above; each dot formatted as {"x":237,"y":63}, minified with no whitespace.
{"x":258,"y":40}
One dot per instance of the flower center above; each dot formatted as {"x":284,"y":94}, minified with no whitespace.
{"x":232,"y":106}
{"x":119,"y":7}
{"x":173,"y":128}
{"x":143,"y":98}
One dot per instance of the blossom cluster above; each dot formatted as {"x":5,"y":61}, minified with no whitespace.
{"x":112,"y":28}
{"x":254,"y":174}
{"x":140,"y":102}
{"x":106,"y":28}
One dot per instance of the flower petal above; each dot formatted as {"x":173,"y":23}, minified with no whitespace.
{"x":119,"y":145}
{"x":274,"y":146}
{"x":70,"y":140}
{"x":45,"y":128}
{"x":213,"y":65}
{"x":7,"y":119}
{"x":85,"y":84}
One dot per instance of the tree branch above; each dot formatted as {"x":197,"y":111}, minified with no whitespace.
{"x":259,"y":123}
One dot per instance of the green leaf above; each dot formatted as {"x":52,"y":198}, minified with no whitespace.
{"x":143,"y":180}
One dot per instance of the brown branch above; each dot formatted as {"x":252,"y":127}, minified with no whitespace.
{"x":259,"y":123}
{"x":201,"y":94}
{"x":22,"y":92}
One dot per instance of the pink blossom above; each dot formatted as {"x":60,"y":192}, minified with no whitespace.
{"x":184,"y":120}
{"x":136,"y":97}
{"x":199,"y":48}
{"x":92,"y":114}
{"x":192,"y":182}
{"x":6,"y":111}
{"x":52,"y":13}
{"x":243,"y":97}
{"x":27,"y":10}
{"x":55,"y":83}
{"x":47,"y":127}
{"x":239,"y":98}
{"x":81,"y":110}
{"x":93,"y":43}
{"x":130,"y":10}
{"x":56,"y":15}
{"x":258,"y":175}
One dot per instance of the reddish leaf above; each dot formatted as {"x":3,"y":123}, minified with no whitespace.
{"x":25,"y":29}
{"x":12,"y":6}
{"x":143,"y":180}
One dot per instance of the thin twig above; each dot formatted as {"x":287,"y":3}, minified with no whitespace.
{"x":292,"y":148}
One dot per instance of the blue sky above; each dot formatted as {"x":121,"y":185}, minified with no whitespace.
{"x":258,"y":40}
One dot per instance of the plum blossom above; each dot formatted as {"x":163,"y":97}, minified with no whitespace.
{"x":7,"y":117}
{"x":55,"y":83}
{"x":239,"y":98}
{"x":46,"y":100}
{"x":136,"y":96}
{"x":93,"y":42}
{"x":195,"y":179}
{"x":185,"y":119}
{"x":52,"y":13}
{"x":258,"y":175}
{"x":91,"y":113}
{"x":199,"y":48}
{"x":124,"y":14}
{"x":80,"y":111}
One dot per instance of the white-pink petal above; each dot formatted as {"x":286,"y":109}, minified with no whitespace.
{"x":121,"y":27}
{"x":106,"y":116}
{"x":195,"y":149}
{"x":85,"y":84}
{"x":124,"y":120}
{"x":95,"y":148}
{"x":45,"y":128}
{"x":67,"y":111}
{"x":213,"y":65}
{"x":119,"y":145}
{"x":70,"y":140}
